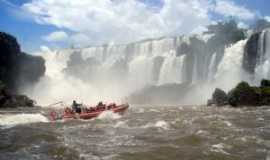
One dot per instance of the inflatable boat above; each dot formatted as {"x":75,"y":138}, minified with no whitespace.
{"x":88,"y":113}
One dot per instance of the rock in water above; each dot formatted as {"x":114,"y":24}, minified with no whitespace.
{"x":265,"y":92}
{"x":9,"y":100}
{"x":219,"y":97}
{"x":244,"y":95}
{"x":265,"y":96}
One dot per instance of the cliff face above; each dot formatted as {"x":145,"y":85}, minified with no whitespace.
{"x":251,"y":53}
{"x":31,"y":68}
{"x":18,"y":68}
{"x":9,"y":53}
{"x":257,"y":51}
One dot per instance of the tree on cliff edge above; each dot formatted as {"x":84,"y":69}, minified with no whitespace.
{"x":225,"y":33}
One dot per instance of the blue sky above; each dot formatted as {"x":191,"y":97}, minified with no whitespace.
{"x":34,"y":24}
{"x":27,"y":31}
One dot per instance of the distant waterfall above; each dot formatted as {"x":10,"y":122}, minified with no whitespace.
{"x":140,"y":58}
{"x":140,"y":72}
{"x":172,"y":69}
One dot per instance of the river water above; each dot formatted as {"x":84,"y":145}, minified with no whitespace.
{"x":142,"y":133}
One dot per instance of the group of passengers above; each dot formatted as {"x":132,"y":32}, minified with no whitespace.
{"x":77,"y":108}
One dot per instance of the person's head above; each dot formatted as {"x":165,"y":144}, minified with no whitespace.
{"x":74,"y":101}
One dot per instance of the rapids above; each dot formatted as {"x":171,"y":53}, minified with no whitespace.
{"x":144,"y":132}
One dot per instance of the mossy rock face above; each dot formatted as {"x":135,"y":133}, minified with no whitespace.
{"x":265,"y":83}
{"x":2,"y":86}
{"x":242,"y":86}
{"x":265,"y":91}
{"x":8,"y":100}
{"x":220,"y":97}
{"x":244,"y":95}
{"x":265,"y":96}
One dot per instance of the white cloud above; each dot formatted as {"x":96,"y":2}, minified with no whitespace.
{"x":56,"y":36}
{"x":229,"y":8}
{"x":120,"y":20}
{"x":17,"y":11}
{"x":243,"y":25}
{"x":108,"y":21}
{"x":80,"y":39}
{"x":45,"y":49}
{"x":267,"y":18}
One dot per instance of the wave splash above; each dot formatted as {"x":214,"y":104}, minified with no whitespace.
{"x":9,"y":120}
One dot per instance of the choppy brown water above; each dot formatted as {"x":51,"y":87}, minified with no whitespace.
{"x":146,"y":133}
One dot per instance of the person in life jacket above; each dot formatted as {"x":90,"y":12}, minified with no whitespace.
{"x":101,"y":106}
{"x":76,"y":107}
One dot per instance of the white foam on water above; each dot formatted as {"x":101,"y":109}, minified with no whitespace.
{"x":250,"y":139}
{"x":220,"y":148}
{"x":89,"y":156}
{"x":188,"y":122}
{"x":202,"y":132}
{"x":244,"y":139}
{"x":121,"y":124}
{"x":162,"y":124}
{"x":154,"y":110}
{"x":141,"y":110}
{"x":180,"y":108}
{"x":268,"y":155}
{"x":229,"y":124}
{"x":121,"y":140}
{"x":159,"y":124}
{"x":108,"y":115}
{"x":260,"y":119}
{"x":9,"y":120}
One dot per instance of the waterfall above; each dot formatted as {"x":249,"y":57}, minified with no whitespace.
{"x":195,"y":70}
{"x":230,"y":71}
{"x":112,"y":72}
{"x":140,"y":72}
{"x":262,"y":69}
{"x":172,"y":69}
{"x":212,"y":67}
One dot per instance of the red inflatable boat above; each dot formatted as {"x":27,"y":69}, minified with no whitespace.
{"x":88,"y":113}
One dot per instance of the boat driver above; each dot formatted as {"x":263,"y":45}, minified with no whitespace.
{"x":76,"y":107}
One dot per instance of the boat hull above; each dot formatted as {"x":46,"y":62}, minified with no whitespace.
{"x":89,"y":115}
